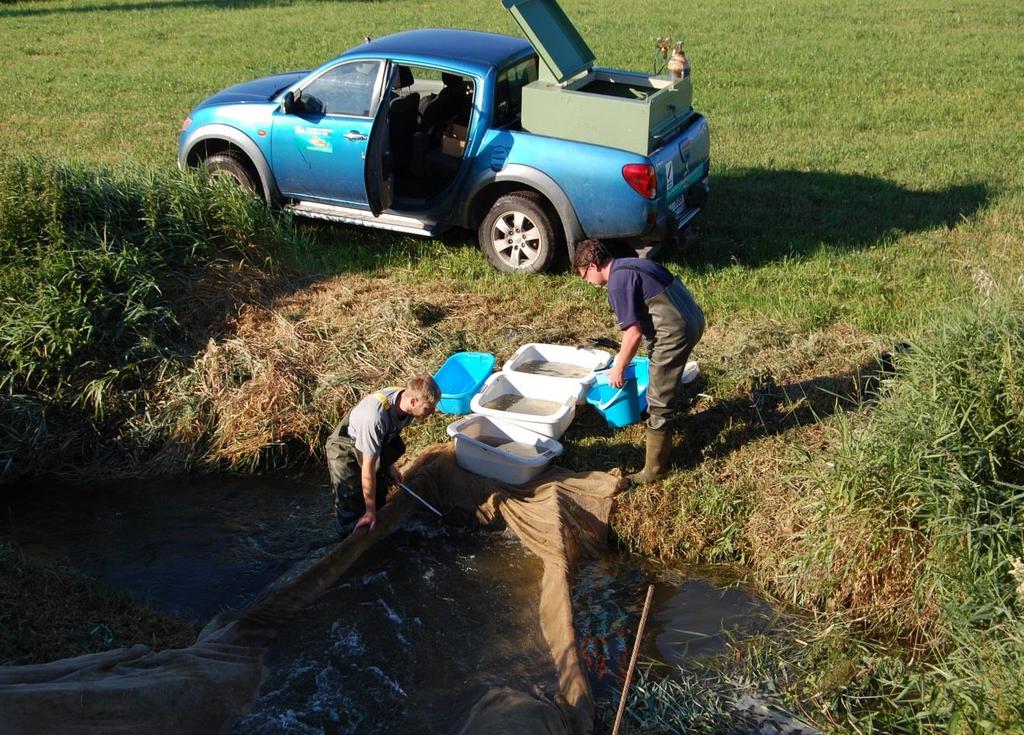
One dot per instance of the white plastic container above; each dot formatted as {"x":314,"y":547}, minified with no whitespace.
{"x":503,"y":451}
{"x":532,"y":359}
{"x":560,"y":397}
{"x":690,"y":373}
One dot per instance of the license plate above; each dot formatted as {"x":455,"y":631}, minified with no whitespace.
{"x":678,"y":206}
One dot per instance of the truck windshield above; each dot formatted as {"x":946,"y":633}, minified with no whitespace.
{"x":508,"y":94}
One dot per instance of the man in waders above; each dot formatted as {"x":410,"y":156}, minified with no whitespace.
{"x":362,"y":451}
{"x":649,"y":302}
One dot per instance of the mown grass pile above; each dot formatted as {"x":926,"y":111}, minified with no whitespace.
{"x":274,"y":389}
{"x":107,"y":277}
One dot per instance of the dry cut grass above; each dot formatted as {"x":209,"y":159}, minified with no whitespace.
{"x":290,"y":369}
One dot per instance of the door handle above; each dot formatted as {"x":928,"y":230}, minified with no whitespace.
{"x":354,"y":135}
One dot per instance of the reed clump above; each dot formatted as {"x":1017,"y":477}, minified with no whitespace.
{"x":930,"y":478}
{"x":899,"y":526}
{"x":111,"y":277}
{"x":919,"y":516}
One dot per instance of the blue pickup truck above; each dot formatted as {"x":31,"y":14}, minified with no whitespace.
{"x":525,"y":142}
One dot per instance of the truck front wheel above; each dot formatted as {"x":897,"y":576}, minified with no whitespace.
{"x":518,"y":234}
{"x":234,"y":169}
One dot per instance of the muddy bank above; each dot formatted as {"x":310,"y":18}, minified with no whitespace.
{"x":51,"y":611}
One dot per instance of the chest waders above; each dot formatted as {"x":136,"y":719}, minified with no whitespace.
{"x":344,"y":464}
{"x":677,"y":324}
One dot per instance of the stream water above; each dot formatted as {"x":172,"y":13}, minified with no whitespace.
{"x":189,"y":546}
{"x":695,"y":611}
{"x":414,"y":637}
{"x":414,"y":633}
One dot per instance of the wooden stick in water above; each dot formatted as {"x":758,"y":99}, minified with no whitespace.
{"x":632,"y":661}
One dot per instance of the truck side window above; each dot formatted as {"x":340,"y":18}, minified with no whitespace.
{"x":347,"y":89}
{"x":508,"y":92}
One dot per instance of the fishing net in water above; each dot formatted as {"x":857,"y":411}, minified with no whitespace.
{"x":561,"y":516}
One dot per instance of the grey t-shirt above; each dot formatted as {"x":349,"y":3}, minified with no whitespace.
{"x":372,"y":423}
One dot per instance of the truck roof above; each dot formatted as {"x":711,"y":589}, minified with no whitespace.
{"x":471,"y":50}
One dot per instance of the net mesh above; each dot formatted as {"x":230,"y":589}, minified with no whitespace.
{"x":562,"y":517}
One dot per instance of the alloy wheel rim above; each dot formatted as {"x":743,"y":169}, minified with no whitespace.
{"x":516,"y":239}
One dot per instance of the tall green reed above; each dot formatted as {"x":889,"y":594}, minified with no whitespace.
{"x":96,"y":266}
{"x":933,"y":474}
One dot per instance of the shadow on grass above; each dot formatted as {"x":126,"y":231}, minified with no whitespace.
{"x":17,"y":10}
{"x":769,"y":409}
{"x":723,"y":427}
{"x":756,"y":216}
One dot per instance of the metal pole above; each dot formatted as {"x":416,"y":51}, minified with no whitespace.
{"x":632,"y":661}
{"x":411,"y":492}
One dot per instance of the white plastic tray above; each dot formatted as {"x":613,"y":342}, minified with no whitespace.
{"x":586,"y":359}
{"x":564,"y":393}
{"x":475,"y":436}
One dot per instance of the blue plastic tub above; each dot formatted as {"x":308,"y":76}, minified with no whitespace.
{"x":460,"y":379}
{"x":622,"y":407}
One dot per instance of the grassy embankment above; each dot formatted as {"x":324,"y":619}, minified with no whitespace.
{"x":52,"y":612}
{"x":867,"y":190}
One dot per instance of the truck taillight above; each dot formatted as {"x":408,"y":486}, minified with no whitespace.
{"x":641,"y":177}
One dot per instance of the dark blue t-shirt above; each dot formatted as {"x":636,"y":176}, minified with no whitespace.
{"x":631,"y":282}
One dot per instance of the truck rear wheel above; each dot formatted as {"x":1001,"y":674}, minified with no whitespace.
{"x":518,"y":234}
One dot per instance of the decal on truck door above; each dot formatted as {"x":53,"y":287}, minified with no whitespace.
{"x":313,"y":139}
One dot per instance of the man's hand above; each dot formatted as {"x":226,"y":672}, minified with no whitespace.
{"x":395,"y":474}
{"x":369,"y":519}
{"x":616,"y":377}
{"x":631,"y":338}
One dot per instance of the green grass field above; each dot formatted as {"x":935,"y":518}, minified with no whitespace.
{"x":866,"y":160}
{"x":867,"y":188}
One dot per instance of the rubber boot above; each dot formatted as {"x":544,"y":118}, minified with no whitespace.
{"x":659,"y":448}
